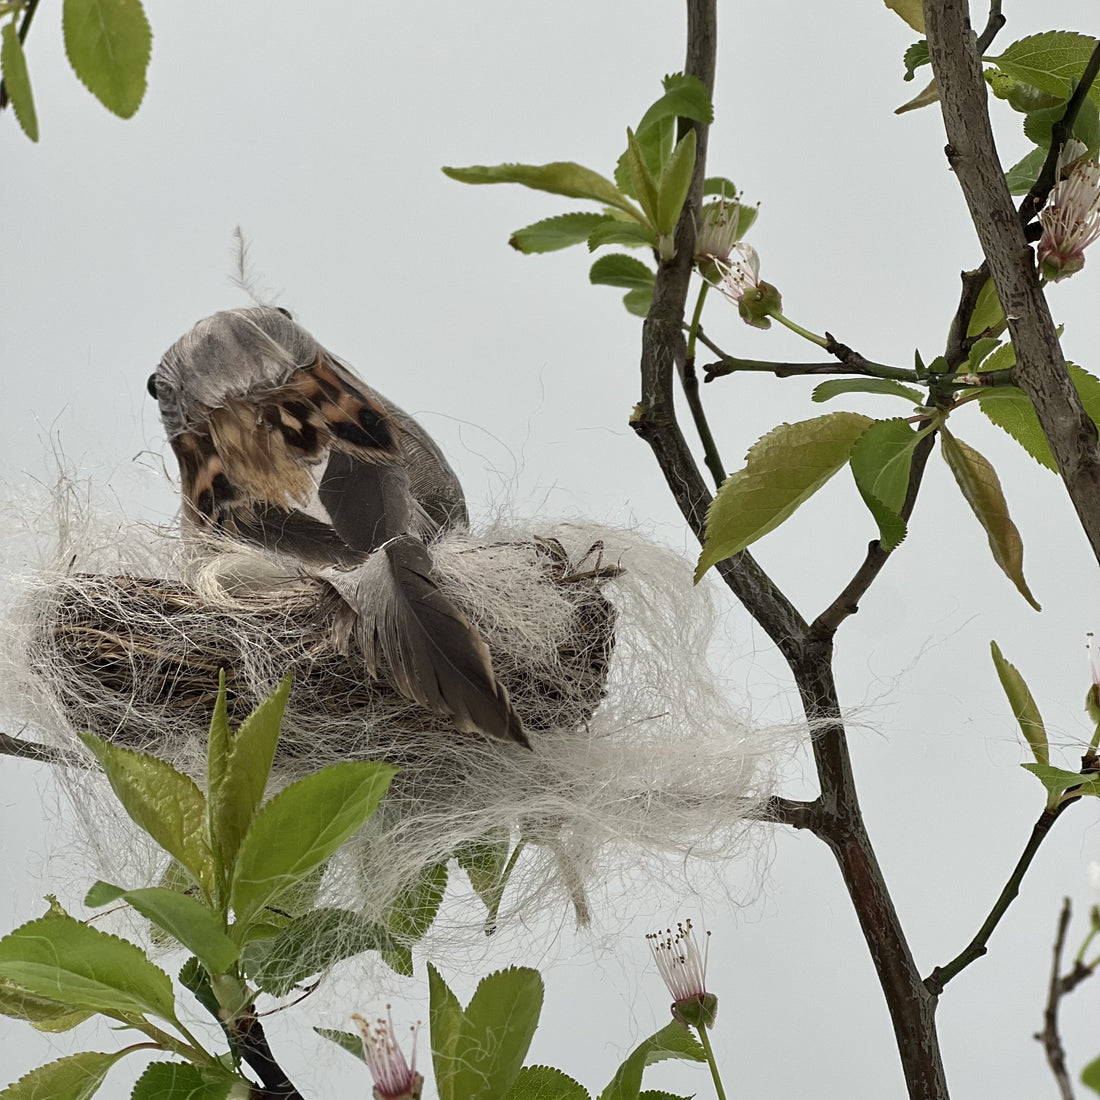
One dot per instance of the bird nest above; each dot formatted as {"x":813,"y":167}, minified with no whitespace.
{"x":136,"y":659}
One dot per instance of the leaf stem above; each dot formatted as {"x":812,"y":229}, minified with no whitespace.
{"x":693,"y":331}
{"x":805,"y":333}
{"x":705,"y":1040}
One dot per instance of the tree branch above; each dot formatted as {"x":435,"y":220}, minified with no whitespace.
{"x":32,"y":750}
{"x":1041,"y":369}
{"x":248,"y":1033}
{"x":1049,"y":1037}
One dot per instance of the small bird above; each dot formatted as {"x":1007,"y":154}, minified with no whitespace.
{"x":280,"y":445}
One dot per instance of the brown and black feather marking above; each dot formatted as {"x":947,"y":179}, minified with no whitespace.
{"x":281,"y":445}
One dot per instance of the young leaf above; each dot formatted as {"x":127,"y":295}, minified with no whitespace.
{"x":928,"y":95}
{"x":655,"y":144}
{"x":560,"y":178}
{"x":236,"y":795}
{"x":982,"y":490}
{"x":638,"y":301}
{"x":719,"y":185}
{"x":979,"y":350}
{"x":13,"y":64}
{"x":1051,"y":61}
{"x":910,"y":10}
{"x":915,"y":57}
{"x":550,"y":234}
{"x":108,"y":43}
{"x":675,"y":182}
{"x":300,"y":828}
{"x":41,"y":1013}
{"x":497,"y":1028}
{"x":685,"y":97}
{"x":1090,"y":1075}
{"x":67,"y":961}
{"x":782,"y":470}
{"x":182,"y":1081}
{"x":672,"y":1041}
{"x":618,"y":269}
{"x":641,"y":179}
{"x":345,"y":1040}
{"x":1018,"y":95}
{"x":545,"y":1083}
{"x":1058,"y":782}
{"x":1022,"y":175}
{"x":614,"y":231}
{"x":837,"y":386}
{"x":445,"y":1018}
{"x":881,"y":460}
{"x":164,"y":802}
{"x":411,"y":915}
{"x":484,"y":862}
{"x":1023,"y":705}
{"x":76,"y":1077}
{"x":185,"y":919}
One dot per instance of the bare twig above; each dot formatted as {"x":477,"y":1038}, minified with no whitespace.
{"x":1049,"y":1037}
{"x":689,"y":380}
{"x":248,"y":1034}
{"x":32,"y":750}
{"x":24,"y":29}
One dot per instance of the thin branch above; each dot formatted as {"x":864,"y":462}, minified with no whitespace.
{"x":993,"y":24}
{"x":32,"y":750}
{"x":248,"y":1033}
{"x":24,"y":29}
{"x":1041,"y":369}
{"x":958,"y":342}
{"x":1049,"y":1037}
{"x":978,"y":946}
{"x":789,"y":811}
{"x":689,"y":380}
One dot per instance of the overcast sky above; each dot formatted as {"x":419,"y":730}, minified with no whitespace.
{"x":322,"y":136}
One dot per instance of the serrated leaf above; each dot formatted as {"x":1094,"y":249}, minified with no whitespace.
{"x":1022,"y":175}
{"x":63,"y":960}
{"x":345,"y":1040}
{"x":642,"y":182}
{"x":719,"y":185}
{"x":909,"y":10}
{"x":185,"y":919}
{"x":300,"y":828}
{"x":164,"y":802}
{"x":411,"y":915}
{"x":987,"y":310}
{"x":672,"y":1041}
{"x":445,"y":1017}
{"x":982,"y":490}
{"x":684,"y":97}
{"x":1090,"y":1075}
{"x":837,"y":386}
{"x":621,"y":270}
{"x":182,"y":1081}
{"x":308,"y":945}
{"x":76,"y":1077}
{"x":108,"y":43}
{"x":545,"y":1083}
{"x":782,"y":470}
{"x":559,"y":178}
{"x":561,"y":231}
{"x":1058,"y":781}
{"x":979,"y":350}
{"x":915,"y":57}
{"x":17,"y":81}
{"x":1039,"y":124}
{"x":193,"y":977}
{"x":613,"y":231}
{"x":655,"y":145}
{"x":41,"y":1013}
{"x":484,"y":862}
{"x":1051,"y":61}
{"x":497,"y":1027}
{"x":1024,"y":707}
{"x":236,"y":793}
{"x":638,"y":301}
{"x":660,"y":1094}
{"x":881,"y":460}
{"x":674,"y":183}
{"x":928,"y":95}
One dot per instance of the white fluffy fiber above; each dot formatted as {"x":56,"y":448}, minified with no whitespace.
{"x":665,"y":772}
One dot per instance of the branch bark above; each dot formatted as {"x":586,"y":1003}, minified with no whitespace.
{"x":1041,"y":369}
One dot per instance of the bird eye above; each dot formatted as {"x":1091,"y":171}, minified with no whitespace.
{"x":285,"y":313}
{"x":151,"y":385}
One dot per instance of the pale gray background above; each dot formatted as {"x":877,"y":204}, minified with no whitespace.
{"x":321,"y":131}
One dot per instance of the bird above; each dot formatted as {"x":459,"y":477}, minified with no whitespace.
{"x":281,"y":445}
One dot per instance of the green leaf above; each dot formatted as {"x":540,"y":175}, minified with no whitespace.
{"x":614,"y":231}
{"x":185,"y":919}
{"x":660,"y":1094}
{"x":980,"y":349}
{"x":412,"y":913}
{"x":182,"y":1081}
{"x":982,"y":490}
{"x":236,"y":794}
{"x":561,"y":231}
{"x":782,"y":470}
{"x":1052,"y":61}
{"x":66,"y":961}
{"x":1023,"y":705}
{"x":13,"y":64}
{"x":41,"y":1013}
{"x":345,"y":1040}
{"x":300,"y":828}
{"x":987,"y":311}
{"x":1018,"y":95}
{"x":909,"y":10}
{"x":193,"y":977}
{"x":642,"y":182}
{"x":1039,"y":124}
{"x":685,"y":97}
{"x":497,"y":1028}
{"x":164,"y":802}
{"x":638,"y":301}
{"x":76,"y":1077}
{"x":545,"y":1083}
{"x":484,"y":862}
{"x":881,"y":461}
{"x":618,"y":269}
{"x":1058,"y":781}
{"x":108,"y":43}
{"x":719,"y":185}
{"x":672,"y":1041}
{"x":445,"y":1018}
{"x":928,"y":95}
{"x":560,"y":178}
{"x":915,"y":57}
{"x":837,"y":386}
{"x":1090,"y":1075}
{"x":675,"y":183}
{"x":1022,"y":175}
